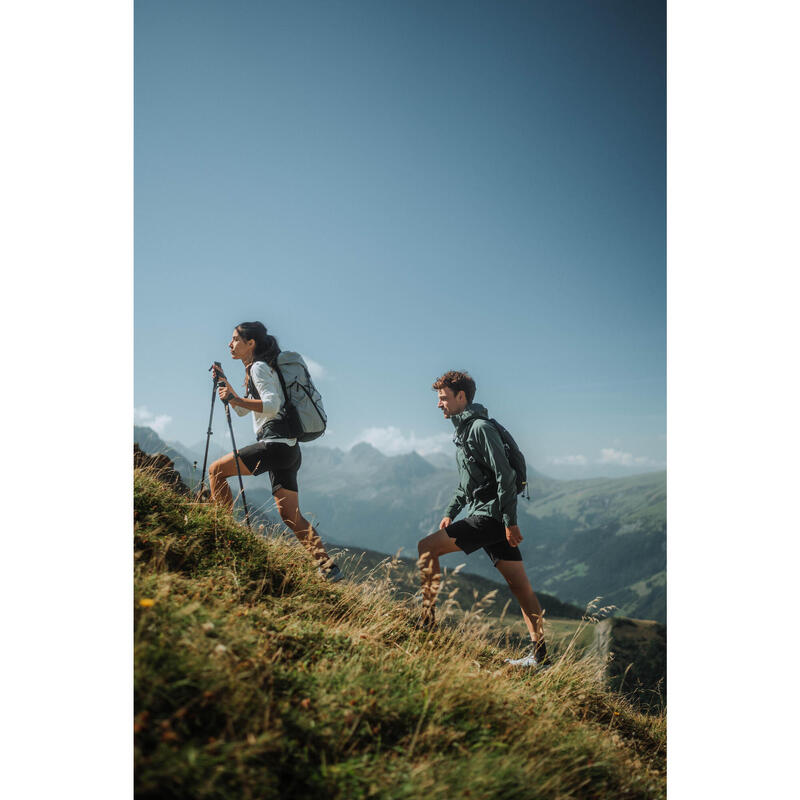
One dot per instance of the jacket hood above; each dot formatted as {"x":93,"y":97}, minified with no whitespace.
{"x":472,"y":410}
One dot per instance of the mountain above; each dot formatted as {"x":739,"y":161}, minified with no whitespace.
{"x":196,"y":452}
{"x":600,"y":537}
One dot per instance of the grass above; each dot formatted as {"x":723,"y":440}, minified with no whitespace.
{"x":255,"y":679}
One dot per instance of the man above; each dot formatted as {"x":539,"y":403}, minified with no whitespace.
{"x":487,"y":489}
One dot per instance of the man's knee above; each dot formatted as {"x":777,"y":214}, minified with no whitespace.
{"x":517,"y":583}
{"x":424,"y":548}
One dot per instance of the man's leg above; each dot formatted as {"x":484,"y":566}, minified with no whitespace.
{"x":289,"y":509}
{"x":430,"y":548}
{"x":514,"y":573}
{"x":218,"y":474}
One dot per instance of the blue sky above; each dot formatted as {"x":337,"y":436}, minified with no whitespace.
{"x":397,"y":189}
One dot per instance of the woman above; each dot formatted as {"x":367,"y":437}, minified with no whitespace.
{"x":275,"y":452}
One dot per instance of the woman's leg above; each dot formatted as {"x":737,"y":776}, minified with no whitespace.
{"x":218,"y":474}
{"x":287,"y":503}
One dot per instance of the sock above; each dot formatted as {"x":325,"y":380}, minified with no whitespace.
{"x":540,"y":650}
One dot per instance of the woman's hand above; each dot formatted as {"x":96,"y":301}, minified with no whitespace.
{"x":226,"y":394}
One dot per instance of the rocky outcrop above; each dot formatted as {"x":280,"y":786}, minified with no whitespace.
{"x":635,"y":654}
{"x":161,"y":466}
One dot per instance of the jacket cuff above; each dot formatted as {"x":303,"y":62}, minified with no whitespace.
{"x":509,"y":520}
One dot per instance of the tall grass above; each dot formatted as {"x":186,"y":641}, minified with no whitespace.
{"x":256,"y":679}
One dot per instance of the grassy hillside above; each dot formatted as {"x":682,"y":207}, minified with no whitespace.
{"x":255,"y":679}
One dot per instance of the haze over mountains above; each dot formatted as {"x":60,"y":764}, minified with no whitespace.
{"x":601,"y":537}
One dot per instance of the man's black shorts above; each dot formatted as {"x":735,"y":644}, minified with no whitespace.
{"x":486,"y":532}
{"x":282,"y":461}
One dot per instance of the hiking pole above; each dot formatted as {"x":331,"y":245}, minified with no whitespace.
{"x":208,"y":433}
{"x":235,"y":452}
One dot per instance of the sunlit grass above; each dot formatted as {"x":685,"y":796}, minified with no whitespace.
{"x":256,"y":679}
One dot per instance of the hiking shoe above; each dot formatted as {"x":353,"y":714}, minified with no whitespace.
{"x":535,"y":657}
{"x":528,"y":660}
{"x":332,"y":575}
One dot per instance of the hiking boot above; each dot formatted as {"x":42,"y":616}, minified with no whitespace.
{"x":535,"y":657}
{"x":332,"y":575}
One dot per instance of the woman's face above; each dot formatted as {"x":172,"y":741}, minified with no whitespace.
{"x":241,"y":348}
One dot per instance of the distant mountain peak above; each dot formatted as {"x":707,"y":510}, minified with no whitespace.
{"x":365,"y":449}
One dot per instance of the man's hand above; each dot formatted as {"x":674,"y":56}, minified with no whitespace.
{"x":444,"y":523}
{"x":513,"y":535}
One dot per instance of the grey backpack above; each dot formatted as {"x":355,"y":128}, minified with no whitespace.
{"x":302,"y":416}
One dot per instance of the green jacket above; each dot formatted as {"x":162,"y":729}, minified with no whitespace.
{"x":485,"y":442}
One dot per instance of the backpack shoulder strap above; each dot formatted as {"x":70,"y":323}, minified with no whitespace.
{"x":463,"y":435}
{"x":283,"y":383}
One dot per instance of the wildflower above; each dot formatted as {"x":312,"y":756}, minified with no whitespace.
{"x":146,"y":602}
{"x":305,"y":703}
{"x":208,"y":626}
{"x":220,"y":648}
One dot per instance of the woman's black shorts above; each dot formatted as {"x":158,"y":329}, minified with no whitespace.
{"x":280,"y":459}
{"x":477,"y":531}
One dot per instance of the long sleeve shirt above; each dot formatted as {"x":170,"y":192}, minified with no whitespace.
{"x":269,"y":390}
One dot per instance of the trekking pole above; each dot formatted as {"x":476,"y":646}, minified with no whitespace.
{"x":236,"y":457}
{"x":208,"y":433}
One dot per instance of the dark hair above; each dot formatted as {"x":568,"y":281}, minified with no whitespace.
{"x":266,"y":348}
{"x":458,"y":382}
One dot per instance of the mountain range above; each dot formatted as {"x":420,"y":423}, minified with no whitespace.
{"x":583,"y":539}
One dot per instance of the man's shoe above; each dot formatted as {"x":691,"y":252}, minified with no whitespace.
{"x":535,"y":658}
{"x":332,"y":575}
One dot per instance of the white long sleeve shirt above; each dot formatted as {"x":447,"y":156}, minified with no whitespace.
{"x":271,"y":393}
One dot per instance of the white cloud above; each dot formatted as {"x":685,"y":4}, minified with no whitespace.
{"x":392,"y":441}
{"x":576,"y":460}
{"x":158,"y":422}
{"x":315,"y":369}
{"x":608,"y":455}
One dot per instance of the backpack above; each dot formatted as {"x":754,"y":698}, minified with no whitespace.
{"x":513,"y":453}
{"x":302,"y":416}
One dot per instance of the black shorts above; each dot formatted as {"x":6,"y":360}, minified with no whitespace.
{"x":280,"y":459}
{"x":486,"y":532}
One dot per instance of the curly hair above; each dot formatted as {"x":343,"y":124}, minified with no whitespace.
{"x":458,"y":382}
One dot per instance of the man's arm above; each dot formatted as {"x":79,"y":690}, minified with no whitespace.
{"x":456,"y":504}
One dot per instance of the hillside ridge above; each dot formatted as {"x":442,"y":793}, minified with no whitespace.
{"x":256,"y":679}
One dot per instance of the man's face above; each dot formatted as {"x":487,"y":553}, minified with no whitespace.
{"x":451,"y":403}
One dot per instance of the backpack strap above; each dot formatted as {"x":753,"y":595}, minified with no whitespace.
{"x":283,"y":384}
{"x":462,"y":435}
{"x":251,"y":385}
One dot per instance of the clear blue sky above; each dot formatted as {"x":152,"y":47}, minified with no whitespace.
{"x":397,"y":189}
